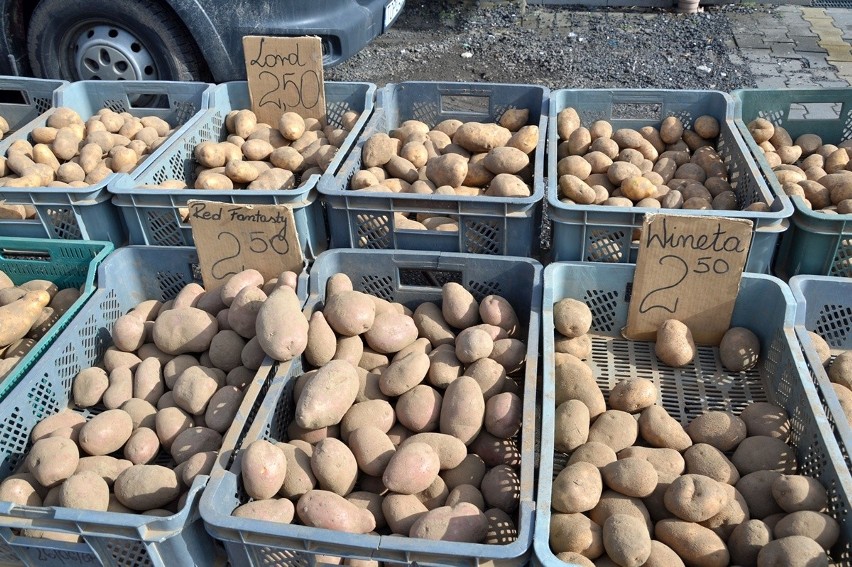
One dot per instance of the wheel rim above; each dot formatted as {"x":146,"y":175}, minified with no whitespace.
{"x":110,"y":53}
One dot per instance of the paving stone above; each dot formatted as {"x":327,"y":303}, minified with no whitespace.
{"x":790,"y":65}
{"x":803,"y":30}
{"x":750,"y":42}
{"x":776,"y":35}
{"x":785,"y":50}
{"x":839,"y":54}
{"x":844,"y":70}
{"x":760,"y":55}
{"x":807,"y":44}
{"x":814,"y":62}
{"x":836,"y":84}
{"x":774,"y":82}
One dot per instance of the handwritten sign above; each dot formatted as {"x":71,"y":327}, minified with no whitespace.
{"x":689,"y":268}
{"x":284,"y":75}
{"x":231,"y":238}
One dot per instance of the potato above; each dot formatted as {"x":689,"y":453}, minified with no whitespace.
{"x":633,"y":395}
{"x":577,"y":488}
{"x":840,"y":369}
{"x":763,"y":453}
{"x":106,"y":467}
{"x":401,"y":511}
{"x":819,"y":527}
{"x":144,"y":487}
{"x":194,"y":440}
{"x":372,"y":449}
{"x":659,"y":429}
{"x":243,"y":311}
{"x":327,"y":396}
{"x":176,"y":366}
{"x":695,"y":544}
{"x":411,"y":469}
{"x":630,"y":476}
{"x":282,"y":329}
{"x":463,"y":493}
{"x":722,"y":430}
{"x":463,"y":522}
{"x":142,"y":447}
{"x":763,"y":418}
{"x":419,"y":409}
{"x":19,"y":491}
{"x":51,"y":460}
{"x":503,"y":415}
{"x":614,"y":428}
{"x":626,"y":540}
{"x":171,"y":422}
{"x":106,"y":432}
{"x":480,"y":137}
{"x":463,"y":409}
{"x":508,"y":185}
{"x":89,"y":387}
{"x":675,"y":346}
{"x":197,"y":465}
{"x":273,"y":510}
{"x":195,"y":387}
{"x":186,"y":329}
{"x":732,"y":514}
{"x":746,"y":541}
{"x":62,"y":419}
{"x":575,"y":381}
{"x":795,"y":493}
{"x":706,"y":460}
{"x":324,"y":509}
{"x":580,"y":347}
{"x":571,"y":317}
{"x":222,"y":408}
{"x":792,"y":551}
{"x":695,"y":498}
{"x":575,"y":533}
{"x":739,"y":349}
{"x":756,"y":489}
{"x":334,"y":466}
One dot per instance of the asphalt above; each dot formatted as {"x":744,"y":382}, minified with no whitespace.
{"x":795,"y":47}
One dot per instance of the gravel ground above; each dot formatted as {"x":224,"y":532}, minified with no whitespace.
{"x":558,"y":47}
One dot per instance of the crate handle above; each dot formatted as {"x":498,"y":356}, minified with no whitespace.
{"x":15,"y":254}
{"x":821,"y":105}
{"x":467,"y":103}
{"x":625,"y":109}
{"x":13,"y":96}
{"x":435,"y":277}
{"x":149,"y":100}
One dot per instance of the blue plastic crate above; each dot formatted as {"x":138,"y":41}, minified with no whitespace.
{"x":67,"y":264}
{"x":25,"y":98}
{"x":608,"y":234}
{"x":766,"y":306}
{"x":128,"y":276}
{"x":153,"y":216}
{"x":816,"y":243}
{"x":825,"y":307}
{"x":487,"y":225}
{"x":87,"y":213}
{"x":387,"y":274}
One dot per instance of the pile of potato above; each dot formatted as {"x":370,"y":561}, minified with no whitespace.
{"x":71,"y":152}
{"x":839,"y":370}
{"x":257,"y":156}
{"x":453,"y":158}
{"x":407,"y":425}
{"x":818,"y":173}
{"x":639,"y":489}
{"x":27,"y":312}
{"x":671,"y":168}
{"x":164,"y":393}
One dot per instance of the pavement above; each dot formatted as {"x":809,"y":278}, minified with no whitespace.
{"x":796,"y":47}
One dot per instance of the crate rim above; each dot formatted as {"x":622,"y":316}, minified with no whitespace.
{"x":561,"y":211}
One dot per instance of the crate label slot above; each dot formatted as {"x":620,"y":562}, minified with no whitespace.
{"x":688,"y":268}
{"x":231,"y":238}
{"x":285,"y":75}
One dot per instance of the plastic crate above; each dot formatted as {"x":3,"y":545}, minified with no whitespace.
{"x":599,"y":233}
{"x":152,"y":215}
{"x":766,"y":306}
{"x":67,"y":264}
{"x":129,"y":276}
{"x":23,"y":99}
{"x":87,"y":213}
{"x":816,"y":243}
{"x":409,"y":278}
{"x":825,"y":307}
{"x":487,"y":225}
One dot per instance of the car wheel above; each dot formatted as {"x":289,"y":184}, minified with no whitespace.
{"x":111,"y":40}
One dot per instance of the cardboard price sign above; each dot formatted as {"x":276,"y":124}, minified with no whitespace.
{"x":689,"y":268}
{"x":232,"y":238}
{"x":284,"y":75}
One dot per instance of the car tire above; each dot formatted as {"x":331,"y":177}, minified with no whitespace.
{"x":111,"y":40}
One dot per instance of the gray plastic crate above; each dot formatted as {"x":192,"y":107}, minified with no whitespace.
{"x":87,"y":213}
{"x":766,"y":306}
{"x":409,"y":278}
{"x":128,"y":276}
{"x":487,"y":225}
{"x":23,"y":99}
{"x":152,"y":215}
{"x":599,"y":233}
{"x":825,"y":307}
{"x":816,"y":243}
